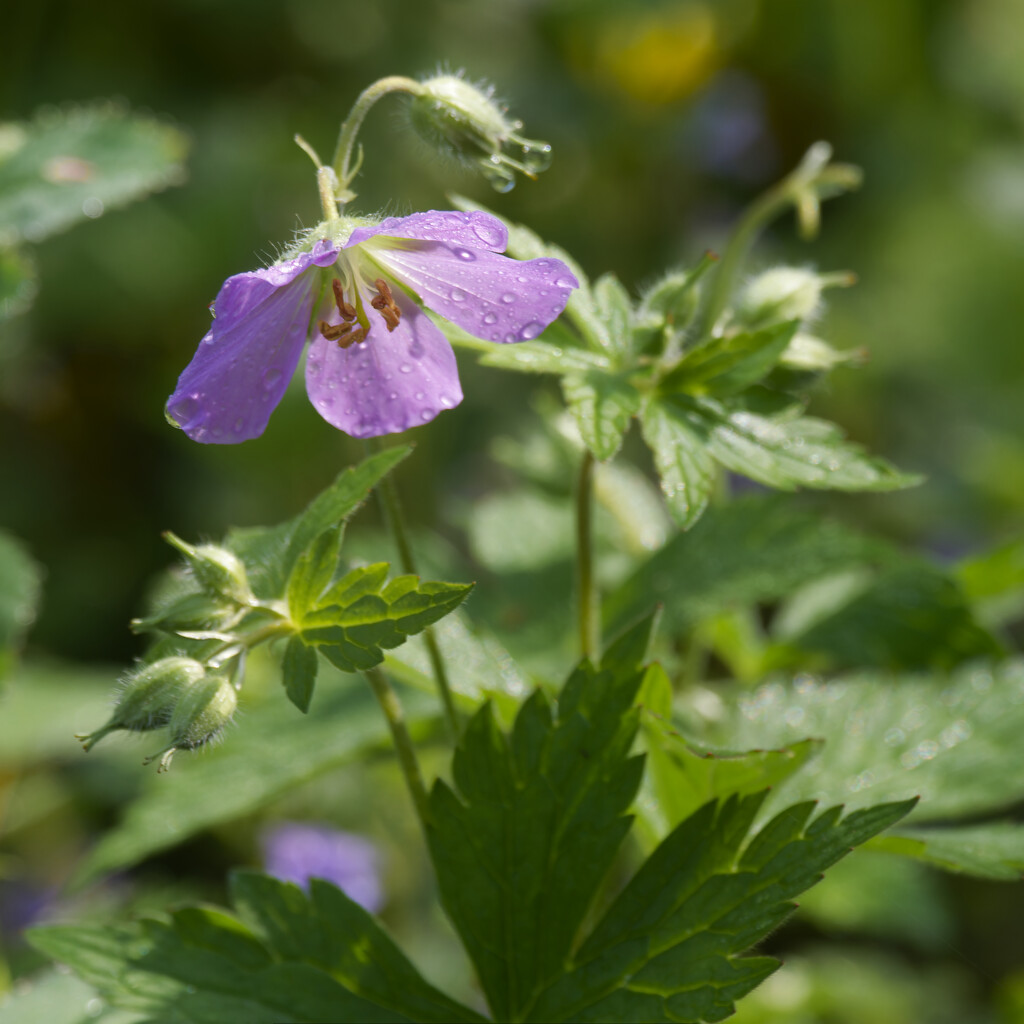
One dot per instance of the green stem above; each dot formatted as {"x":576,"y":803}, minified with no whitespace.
{"x":392,"y":708}
{"x":757,"y":215}
{"x":342,"y":162}
{"x":392,"y":508}
{"x":590,"y":642}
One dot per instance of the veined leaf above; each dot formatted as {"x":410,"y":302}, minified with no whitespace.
{"x":602,"y":405}
{"x":952,"y":739}
{"x":523,"y":842}
{"x":354,"y":620}
{"x":685,"y":468}
{"x":994,"y":850}
{"x":615,"y":308}
{"x":548,"y":354}
{"x":308,"y":959}
{"x":729,"y":364}
{"x":69,"y":165}
{"x":669,"y":948}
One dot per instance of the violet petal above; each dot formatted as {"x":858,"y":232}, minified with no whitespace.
{"x":244,"y":362}
{"x":389,"y":382}
{"x":488,"y":295}
{"x":473,"y":230}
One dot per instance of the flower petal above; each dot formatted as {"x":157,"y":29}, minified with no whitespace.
{"x":244,"y":362}
{"x":387,"y":383}
{"x":474,"y":230}
{"x":488,"y":295}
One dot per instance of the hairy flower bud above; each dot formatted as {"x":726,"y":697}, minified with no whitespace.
{"x":149,"y":697}
{"x":785,"y":293}
{"x":670,"y":304}
{"x":464,"y":121}
{"x":199,"y":717}
{"x":217,"y":570}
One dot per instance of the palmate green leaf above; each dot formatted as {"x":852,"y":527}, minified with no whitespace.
{"x":274,"y":752}
{"x":270,"y":553}
{"x":20,"y":584}
{"x":17,"y":282}
{"x":729,"y":364}
{"x":602,"y":405}
{"x":522,"y":843}
{"x":669,"y":948}
{"x":753,"y":549}
{"x":685,"y":468}
{"x":681,"y":777}
{"x":994,"y":850}
{"x":785,"y":450}
{"x":953,"y":738}
{"x":68,"y":165}
{"x":615,"y":308}
{"x":298,"y":672}
{"x":316,"y":958}
{"x":356,"y":618}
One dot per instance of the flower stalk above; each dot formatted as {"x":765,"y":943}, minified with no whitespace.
{"x":387,"y":493}
{"x":589,"y":627}
{"x":392,"y":708}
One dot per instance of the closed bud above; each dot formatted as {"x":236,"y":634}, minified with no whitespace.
{"x":199,"y":717}
{"x":149,"y":697}
{"x":217,"y":570}
{"x":785,"y":293}
{"x":670,"y":304}
{"x":464,"y":121}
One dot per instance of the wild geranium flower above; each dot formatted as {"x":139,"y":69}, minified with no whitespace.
{"x":376,"y":363}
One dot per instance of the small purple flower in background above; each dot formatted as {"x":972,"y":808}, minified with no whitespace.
{"x":296,"y":853}
{"x":376,"y":365}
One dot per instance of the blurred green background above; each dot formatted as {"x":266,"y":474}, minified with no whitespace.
{"x":666,"y":117}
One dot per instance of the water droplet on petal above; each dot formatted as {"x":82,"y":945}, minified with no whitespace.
{"x":270,"y":378}
{"x":405,"y":368}
{"x":490,"y":318}
{"x":393,"y":395}
{"x":511,"y":337}
{"x":564,"y":281}
{"x":489,"y":234}
{"x":427,"y":414}
{"x":508,"y":297}
{"x":419,"y":396}
{"x":314,"y":369}
{"x":463,"y":254}
{"x":531,"y":330}
{"x":239,"y":425}
{"x":184,"y":410}
{"x":458,"y":295}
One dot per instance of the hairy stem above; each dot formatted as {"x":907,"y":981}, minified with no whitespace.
{"x":342,"y":162}
{"x":392,"y":708}
{"x":387,"y":493}
{"x":590,"y":642}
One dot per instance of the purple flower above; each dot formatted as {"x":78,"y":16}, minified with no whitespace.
{"x":296,"y":853}
{"x":376,"y":365}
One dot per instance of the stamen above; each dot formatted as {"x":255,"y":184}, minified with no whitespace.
{"x":345,"y":335}
{"x":346,"y":310}
{"x":384,"y":303}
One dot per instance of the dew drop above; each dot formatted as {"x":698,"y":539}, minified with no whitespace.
{"x":464,"y":254}
{"x":458,"y":295}
{"x":446,"y":401}
{"x":427,"y":414}
{"x":508,"y":297}
{"x":510,"y":337}
{"x":531,"y":330}
{"x":185,"y":410}
{"x":405,"y":368}
{"x":490,"y":318}
{"x":419,"y":396}
{"x":239,"y":425}
{"x":314,"y":369}
{"x":393,"y":395}
{"x":270,"y":378}
{"x":564,"y":281}
{"x":489,"y":234}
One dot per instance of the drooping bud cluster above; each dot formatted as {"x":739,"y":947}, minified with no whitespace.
{"x":464,"y":121}
{"x":199,"y":717}
{"x":149,"y":697}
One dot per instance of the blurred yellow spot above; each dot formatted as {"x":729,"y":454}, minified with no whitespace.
{"x":660,"y":56}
